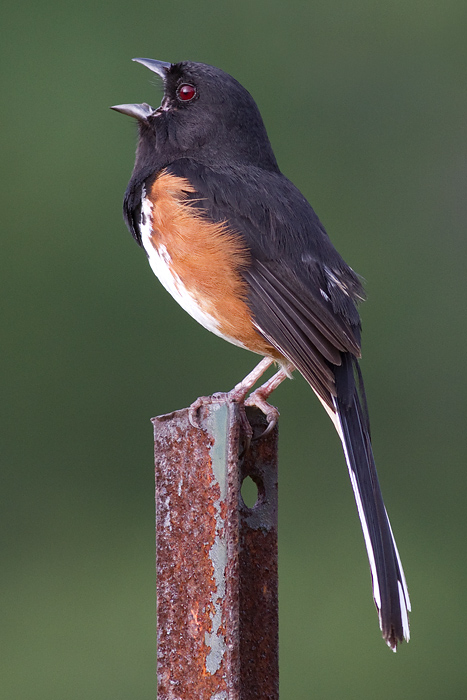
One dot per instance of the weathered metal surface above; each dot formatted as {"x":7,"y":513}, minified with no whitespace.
{"x":217,"y":613}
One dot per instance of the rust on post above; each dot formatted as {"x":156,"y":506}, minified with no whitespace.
{"x":217,"y":609}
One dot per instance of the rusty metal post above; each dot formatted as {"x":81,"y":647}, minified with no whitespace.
{"x":217,"y":610}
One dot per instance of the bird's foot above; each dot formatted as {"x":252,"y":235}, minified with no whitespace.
{"x":234,"y":396}
{"x":238,"y":395}
{"x":258,"y":399}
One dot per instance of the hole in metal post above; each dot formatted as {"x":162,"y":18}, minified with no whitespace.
{"x":249,"y":492}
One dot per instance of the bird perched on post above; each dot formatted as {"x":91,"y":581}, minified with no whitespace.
{"x":240,"y":248}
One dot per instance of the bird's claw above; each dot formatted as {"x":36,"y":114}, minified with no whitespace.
{"x":272,"y":414}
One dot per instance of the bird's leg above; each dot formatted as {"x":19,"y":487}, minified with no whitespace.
{"x":237,"y":395}
{"x":241,"y":389}
{"x":259,"y":397}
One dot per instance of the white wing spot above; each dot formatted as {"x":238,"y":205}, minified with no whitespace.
{"x":334,"y":280}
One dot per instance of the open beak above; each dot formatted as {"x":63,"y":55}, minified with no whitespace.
{"x":143,"y":111}
{"x":140,"y":112}
{"x":159,"y":67}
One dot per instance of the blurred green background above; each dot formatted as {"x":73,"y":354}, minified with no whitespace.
{"x":365,"y":103}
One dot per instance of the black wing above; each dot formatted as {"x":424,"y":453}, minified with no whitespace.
{"x":301,"y":292}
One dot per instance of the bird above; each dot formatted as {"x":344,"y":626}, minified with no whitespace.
{"x":240,"y":248}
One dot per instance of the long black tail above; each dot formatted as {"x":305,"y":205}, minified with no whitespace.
{"x":389,"y":585}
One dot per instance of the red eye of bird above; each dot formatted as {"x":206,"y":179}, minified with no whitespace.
{"x":186,"y":92}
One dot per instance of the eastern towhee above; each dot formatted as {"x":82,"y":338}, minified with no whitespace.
{"x":240,"y":248}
